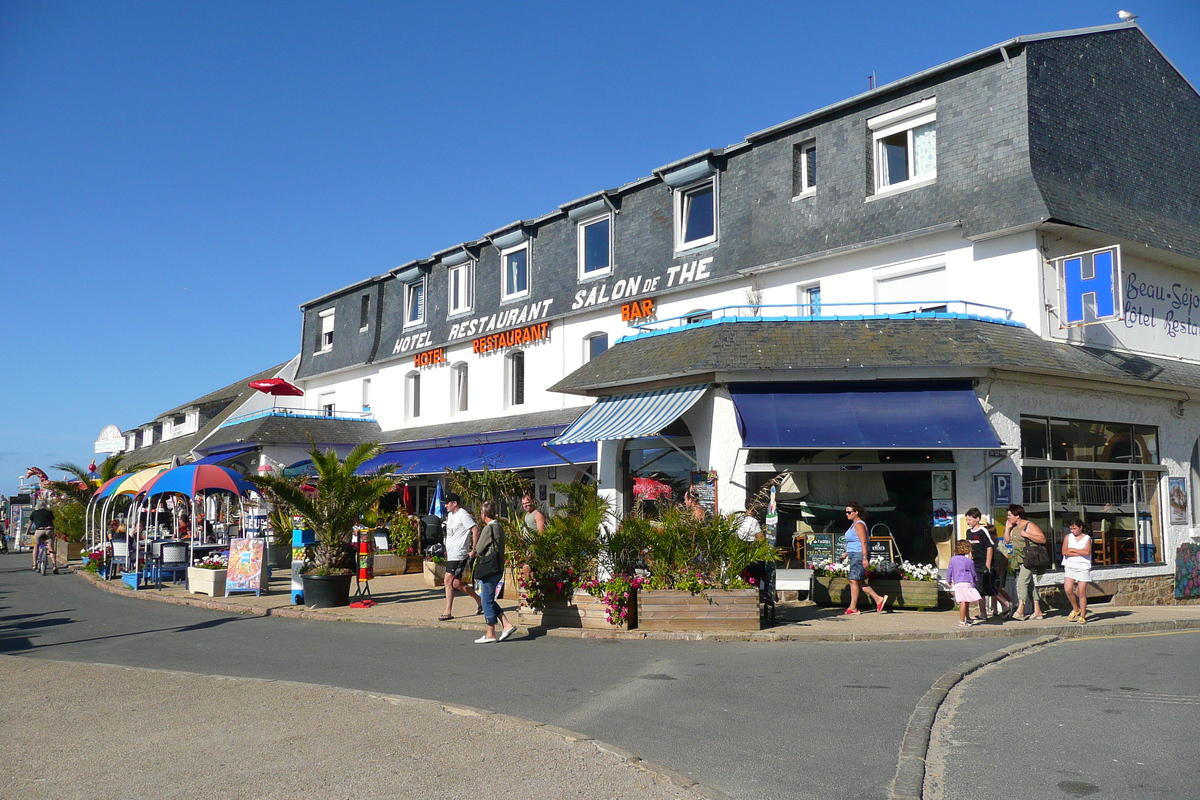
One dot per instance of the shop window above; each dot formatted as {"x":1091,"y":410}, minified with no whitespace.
{"x":364,"y":312}
{"x":594,"y":345}
{"x":904,"y":147}
{"x":595,"y":246}
{"x":516,"y":378}
{"x":515,"y":263}
{"x":414,"y":303}
{"x":325,"y":336}
{"x":458,"y":401}
{"x":461,"y":281}
{"x":696,"y":215}
{"x":412,"y":395}
{"x":1119,"y":496}
{"x":804,"y":169}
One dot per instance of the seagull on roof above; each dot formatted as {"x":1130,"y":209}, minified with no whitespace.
{"x":1126,"y":16}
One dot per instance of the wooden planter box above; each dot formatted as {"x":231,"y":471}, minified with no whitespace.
{"x":390,"y":564}
{"x":206,"y":581}
{"x":921,"y":595}
{"x":712,"y":610}
{"x":581,"y":611}
{"x":433,"y":573}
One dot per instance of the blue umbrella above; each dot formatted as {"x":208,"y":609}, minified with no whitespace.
{"x":437,"y":506}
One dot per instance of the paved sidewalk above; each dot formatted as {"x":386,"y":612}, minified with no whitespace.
{"x":406,"y":600}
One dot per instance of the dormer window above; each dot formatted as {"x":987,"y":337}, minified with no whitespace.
{"x":696,"y":218}
{"x":905,"y":147}
{"x":325,"y":336}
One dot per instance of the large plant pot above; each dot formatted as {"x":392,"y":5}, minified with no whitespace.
{"x":581,"y":610}
{"x":711,"y":610}
{"x":207,"y":581}
{"x":433,"y":573}
{"x":390,"y":564}
{"x":921,"y":595}
{"x":327,"y":591}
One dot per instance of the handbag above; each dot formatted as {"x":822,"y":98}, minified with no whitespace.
{"x":489,"y":564}
{"x":1036,"y":556}
{"x":468,"y":571}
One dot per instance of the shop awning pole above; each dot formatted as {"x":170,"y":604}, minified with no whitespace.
{"x":579,"y":469}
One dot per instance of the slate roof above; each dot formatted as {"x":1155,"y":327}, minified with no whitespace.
{"x":749,"y":350}
{"x":226,"y":400}
{"x":296,"y":430}
{"x":562,"y":417}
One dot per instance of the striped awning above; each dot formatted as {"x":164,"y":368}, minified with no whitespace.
{"x":630,"y":416}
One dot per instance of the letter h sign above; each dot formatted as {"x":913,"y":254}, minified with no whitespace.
{"x":1089,"y":286}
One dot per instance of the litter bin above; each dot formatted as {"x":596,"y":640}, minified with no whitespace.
{"x":1147,"y":553}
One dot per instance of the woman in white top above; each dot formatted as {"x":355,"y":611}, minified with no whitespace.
{"x":1077,"y":567}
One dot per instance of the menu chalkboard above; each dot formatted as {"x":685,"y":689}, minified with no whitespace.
{"x":818,"y":547}
{"x":881,"y":547}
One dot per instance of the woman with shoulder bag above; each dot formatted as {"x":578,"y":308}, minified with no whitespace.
{"x":489,"y":570}
{"x":1034,"y":562}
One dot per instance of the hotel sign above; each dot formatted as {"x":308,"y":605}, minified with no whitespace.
{"x":430,"y":357}
{"x":110,"y":440}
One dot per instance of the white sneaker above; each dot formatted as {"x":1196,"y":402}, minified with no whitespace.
{"x":485,"y":640}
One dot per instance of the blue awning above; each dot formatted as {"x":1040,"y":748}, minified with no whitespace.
{"x":630,"y":416}
{"x":903,"y":416}
{"x":522,"y":454}
{"x":217,"y":458}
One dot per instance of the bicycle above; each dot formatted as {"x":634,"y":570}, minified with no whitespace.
{"x":43,"y":560}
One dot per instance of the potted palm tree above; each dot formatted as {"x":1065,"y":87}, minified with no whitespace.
{"x":331,"y":510}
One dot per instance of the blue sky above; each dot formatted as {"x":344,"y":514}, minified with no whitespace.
{"x":176,"y":178}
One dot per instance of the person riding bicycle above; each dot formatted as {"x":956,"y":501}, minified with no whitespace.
{"x":41,"y":525}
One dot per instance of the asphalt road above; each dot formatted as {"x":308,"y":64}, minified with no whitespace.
{"x":1112,"y":717}
{"x":752,"y":719}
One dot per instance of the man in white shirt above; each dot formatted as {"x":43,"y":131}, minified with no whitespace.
{"x":461,"y":534}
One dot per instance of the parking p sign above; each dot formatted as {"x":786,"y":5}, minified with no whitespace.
{"x":1001,"y":488}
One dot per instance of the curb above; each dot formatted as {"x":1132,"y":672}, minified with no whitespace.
{"x":1066,"y":630}
{"x":909,"y":782}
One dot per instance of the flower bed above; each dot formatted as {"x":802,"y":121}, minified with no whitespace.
{"x":709,"y":610}
{"x":581,"y":610}
{"x":906,"y":584}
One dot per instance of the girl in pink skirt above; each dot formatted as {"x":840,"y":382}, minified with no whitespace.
{"x":961,"y":576}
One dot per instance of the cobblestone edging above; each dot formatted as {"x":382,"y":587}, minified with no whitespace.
{"x":909,"y":782}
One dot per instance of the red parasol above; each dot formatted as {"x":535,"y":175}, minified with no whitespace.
{"x":277,"y":387}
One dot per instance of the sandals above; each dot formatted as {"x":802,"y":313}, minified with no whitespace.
{"x":445,"y":617}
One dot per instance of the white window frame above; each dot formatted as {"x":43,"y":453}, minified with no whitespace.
{"x":682,"y":196}
{"x":366,"y":395}
{"x":912,"y":268}
{"x":412,"y":395}
{"x":467,"y":271}
{"x":460,"y":388}
{"x":364,"y":319}
{"x":902,"y":120}
{"x":327,"y":320}
{"x":408,"y":289}
{"x":581,"y":246}
{"x":804,"y":298}
{"x":511,"y":379}
{"x":504,"y":254}
{"x":587,"y":344}
{"x":327,"y":403}
{"x":807,"y":187}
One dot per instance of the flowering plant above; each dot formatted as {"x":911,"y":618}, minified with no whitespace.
{"x":217,"y":561}
{"x":617,"y":594}
{"x":877,"y":568}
